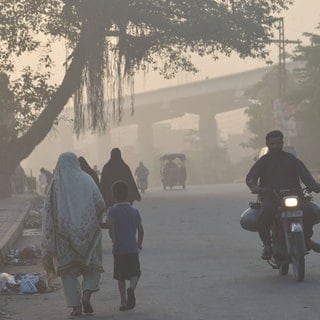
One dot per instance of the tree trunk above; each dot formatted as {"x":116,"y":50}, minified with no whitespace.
{"x":15,"y":151}
{"x":8,"y":163}
{"x":5,"y":185}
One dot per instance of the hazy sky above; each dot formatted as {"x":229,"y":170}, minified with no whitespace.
{"x":303,"y":16}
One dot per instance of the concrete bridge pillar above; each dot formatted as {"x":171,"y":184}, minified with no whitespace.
{"x":208,"y":131}
{"x":208,"y":145}
{"x":145,"y":148}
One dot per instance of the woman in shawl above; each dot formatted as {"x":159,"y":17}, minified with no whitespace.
{"x":84,"y":165}
{"x":71,"y":236}
{"x":114,"y":170}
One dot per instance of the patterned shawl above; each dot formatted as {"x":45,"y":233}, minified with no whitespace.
{"x":74,"y":206}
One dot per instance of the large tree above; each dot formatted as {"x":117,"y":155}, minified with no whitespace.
{"x":107,"y":41}
{"x":307,"y":99}
{"x":262,"y":96}
{"x":303,"y":95}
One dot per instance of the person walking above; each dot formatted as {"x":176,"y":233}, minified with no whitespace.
{"x":86,"y":168}
{"x":42,"y":183}
{"x":126,"y":232}
{"x":71,"y":236}
{"x":116,"y":169}
{"x":142,"y":174}
{"x":49,"y":177}
{"x":19,"y":180}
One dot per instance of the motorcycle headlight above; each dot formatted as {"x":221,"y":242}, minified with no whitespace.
{"x":290,"y":202}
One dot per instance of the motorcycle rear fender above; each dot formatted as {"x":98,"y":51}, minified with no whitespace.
{"x":296,"y":227}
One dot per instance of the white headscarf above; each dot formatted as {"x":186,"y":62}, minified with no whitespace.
{"x":73,"y":209}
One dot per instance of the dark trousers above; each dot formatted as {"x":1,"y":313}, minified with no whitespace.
{"x":268,"y":211}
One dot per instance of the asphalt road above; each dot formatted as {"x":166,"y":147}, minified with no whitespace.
{"x":197,"y":263}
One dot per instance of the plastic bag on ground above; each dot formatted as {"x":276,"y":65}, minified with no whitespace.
{"x":28,"y":283}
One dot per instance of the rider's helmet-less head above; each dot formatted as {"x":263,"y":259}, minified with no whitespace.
{"x":274,"y":141}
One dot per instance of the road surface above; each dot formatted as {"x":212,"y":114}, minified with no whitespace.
{"x":197,"y":264}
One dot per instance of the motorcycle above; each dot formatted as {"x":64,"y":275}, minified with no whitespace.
{"x":288,"y":242}
{"x":142,"y":184}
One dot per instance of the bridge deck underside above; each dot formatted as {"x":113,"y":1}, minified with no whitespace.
{"x":204,"y":104}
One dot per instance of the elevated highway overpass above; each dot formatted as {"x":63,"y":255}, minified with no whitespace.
{"x":203,"y":98}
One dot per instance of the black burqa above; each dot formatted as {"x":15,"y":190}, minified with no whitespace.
{"x":86,"y":168}
{"x":114,"y":170}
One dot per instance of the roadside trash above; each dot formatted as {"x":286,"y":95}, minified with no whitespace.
{"x":32,"y":283}
{"x":24,"y":256}
{"x":30,"y":252}
{"x":28,"y":283}
{"x":7,"y":282}
{"x":13,"y":255}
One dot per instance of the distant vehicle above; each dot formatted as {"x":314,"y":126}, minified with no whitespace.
{"x":173,"y":170}
{"x":142,"y":184}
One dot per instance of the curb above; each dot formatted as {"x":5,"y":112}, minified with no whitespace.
{"x":13,"y":233}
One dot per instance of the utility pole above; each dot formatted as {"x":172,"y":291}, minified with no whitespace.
{"x":279,"y":107}
{"x":282,"y":42}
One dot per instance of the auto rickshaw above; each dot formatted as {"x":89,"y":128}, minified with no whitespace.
{"x":173,"y":170}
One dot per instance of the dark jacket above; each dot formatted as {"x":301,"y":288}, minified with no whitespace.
{"x":279,"y":171}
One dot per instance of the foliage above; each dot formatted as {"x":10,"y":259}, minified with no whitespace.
{"x":262,"y":96}
{"x":307,"y":98}
{"x":32,"y":92}
{"x":23,"y":22}
{"x":303,"y":93}
{"x":138,"y":34}
{"x":107,"y":41}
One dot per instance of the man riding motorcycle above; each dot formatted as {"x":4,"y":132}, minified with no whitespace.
{"x":142,"y":174}
{"x":278,"y":170}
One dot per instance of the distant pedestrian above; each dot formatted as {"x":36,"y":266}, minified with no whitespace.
{"x":116,"y":169}
{"x":42,"y":183}
{"x":126,"y":231}
{"x":19,"y":180}
{"x":86,"y":168}
{"x":71,"y":236}
{"x":49,"y":177}
{"x":142,"y":174}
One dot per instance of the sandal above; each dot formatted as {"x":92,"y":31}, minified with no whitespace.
{"x":123,"y":307}
{"x":77,"y":311}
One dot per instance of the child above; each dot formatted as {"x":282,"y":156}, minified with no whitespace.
{"x":124,"y":223}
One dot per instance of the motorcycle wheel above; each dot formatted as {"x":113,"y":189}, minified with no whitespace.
{"x":284,"y":269}
{"x":298,"y":262}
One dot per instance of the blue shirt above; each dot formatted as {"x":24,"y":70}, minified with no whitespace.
{"x":125,"y":220}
